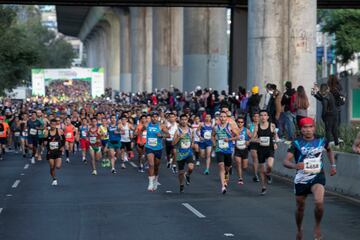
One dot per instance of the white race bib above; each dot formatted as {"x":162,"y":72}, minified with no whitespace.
{"x":92,"y":140}
{"x":265,"y":141}
{"x":33,"y":131}
{"x":144,"y":133}
{"x":312,"y":165}
{"x":223,"y":144}
{"x":207,"y":135}
{"x":241,"y":144}
{"x":17,"y":134}
{"x":152,"y":142}
{"x":185,"y":144}
{"x":25,"y":134}
{"x":54,"y":145}
{"x":83,"y":133}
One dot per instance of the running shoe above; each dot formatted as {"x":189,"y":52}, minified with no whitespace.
{"x":174,"y":169}
{"x":182,"y":188}
{"x":168,"y":165}
{"x":151,"y":185}
{"x":141,"y":169}
{"x":113,"y":171}
{"x":33,"y":160}
{"x":263,"y":191}
{"x":240,"y":181}
{"x":269,"y":179}
{"x":67,"y":160}
{"x":206,"y":172}
{"x":126,"y":158}
{"x":256,"y":178}
{"x":187,"y":178}
{"x":84,"y":161}
{"x":223,"y":190}
{"x":123,"y":166}
{"x":94,"y":172}
{"x":54,"y":182}
{"x":197,"y":163}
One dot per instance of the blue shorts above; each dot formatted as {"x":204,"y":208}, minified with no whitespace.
{"x":114,"y":144}
{"x":157,"y":153}
{"x":104,"y":143}
{"x":33,"y":140}
{"x":197,"y":142}
{"x":205,"y":144}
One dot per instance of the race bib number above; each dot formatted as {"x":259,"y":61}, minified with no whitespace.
{"x":312,"y":165}
{"x":223,"y":144}
{"x":185,"y":144}
{"x":240,"y":144}
{"x":54,"y":145}
{"x":207,"y":135}
{"x":92,"y":140}
{"x":33,"y":131}
{"x":152,"y":142}
{"x":83,"y":133}
{"x":68,"y":135}
{"x":144,"y":133}
{"x":25,"y":134}
{"x":265,"y":141}
{"x":17,"y":134}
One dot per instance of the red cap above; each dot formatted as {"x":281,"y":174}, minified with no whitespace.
{"x":306,"y":121}
{"x":2,"y":118}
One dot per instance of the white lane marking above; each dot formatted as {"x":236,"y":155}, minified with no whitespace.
{"x":16,"y":183}
{"x":22,"y":174}
{"x":229,"y":235}
{"x":1,"y":209}
{"x":26,"y":166}
{"x":168,"y":191}
{"x":193,"y":210}
{"x":133,"y":164}
{"x":9,"y":195}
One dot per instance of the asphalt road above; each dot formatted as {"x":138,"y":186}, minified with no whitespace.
{"x":118,"y":206}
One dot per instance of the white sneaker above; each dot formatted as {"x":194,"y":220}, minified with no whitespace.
{"x":94,"y":172}
{"x":33,"y":160}
{"x":123,"y":166}
{"x":197,"y":163}
{"x":67,"y":160}
{"x":126,"y":158}
{"x":151,"y":184}
{"x":213,"y":154}
{"x":54,"y":182}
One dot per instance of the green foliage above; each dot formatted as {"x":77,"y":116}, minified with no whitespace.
{"x":27,"y":44}
{"x":345,"y":24}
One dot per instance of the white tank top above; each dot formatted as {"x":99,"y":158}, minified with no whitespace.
{"x":172,"y":130}
{"x":125,"y":137}
{"x":194,"y":127}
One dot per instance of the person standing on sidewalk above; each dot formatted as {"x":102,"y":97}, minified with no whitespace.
{"x":288,"y":117}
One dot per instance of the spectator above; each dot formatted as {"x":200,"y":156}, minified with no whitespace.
{"x":329,"y":112}
{"x":301,"y":104}
{"x":288,"y":116}
{"x":254,"y":101}
{"x":356,"y":145}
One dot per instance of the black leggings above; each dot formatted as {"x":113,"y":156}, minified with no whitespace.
{"x":331,"y":128}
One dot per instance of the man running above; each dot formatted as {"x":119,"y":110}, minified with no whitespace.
{"x":241,"y":148}
{"x":264,"y":134}
{"x":95,"y":144}
{"x":4,"y":132}
{"x":154,"y":148}
{"x":55,"y":141}
{"x":205,"y":132}
{"x":33,"y":126}
{"x":140,"y":135}
{"x":183,"y":140}
{"x":307,"y":151}
{"x":223,"y":136}
{"x":83,"y":139}
{"x":126,"y":136}
{"x":114,"y":144}
{"x":103,"y":131}
{"x":170,"y":150}
{"x":194,"y":126}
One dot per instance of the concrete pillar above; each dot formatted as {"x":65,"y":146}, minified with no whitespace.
{"x":168,"y":47}
{"x":302,"y":47}
{"x":265,"y":43}
{"x":125,"y":45}
{"x":205,"y":48}
{"x":238,"y":48}
{"x":148,"y":73}
{"x":102,"y":53}
{"x":138,"y":48}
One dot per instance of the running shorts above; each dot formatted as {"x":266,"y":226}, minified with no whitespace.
{"x":264,"y":154}
{"x":243,"y":154}
{"x":157,"y":153}
{"x":301,"y":189}
{"x":181,"y":163}
{"x":114,"y":145}
{"x":84,"y":144}
{"x":224,"y":158}
{"x":169,"y":147}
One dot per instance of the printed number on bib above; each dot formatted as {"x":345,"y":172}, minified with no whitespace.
{"x":240,"y":144}
{"x":207,"y":135}
{"x":68,"y":135}
{"x":54,"y":145}
{"x":92,"y":140}
{"x":265,"y":141}
{"x":312,"y":165}
{"x":25,"y":134}
{"x":33,"y":131}
{"x":17,"y":134}
{"x":223,"y":144}
{"x":83,"y":133}
{"x":185,"y":144}
{"x":152,"y":142}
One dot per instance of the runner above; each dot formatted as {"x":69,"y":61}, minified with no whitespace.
{"x":140,"y":135}
{"x":154,"y":148}
{"x":55,"y":141}
{"x":33,"y":126}
{"x":183,"y":140}
{"x":41,"y":133}
{"x":76,"y":122}
{"x":253,"y":146}
{"x":114,"y":144}
{"x":83,"y":138}
{"x":126,"y":137}
{"x":94,"y":144}
{"x":223,"y":136}
{"x":264,"y":134}
{"x":172,"y":127}
{"x":241,"y":148}
{"x":4,"y":132}
{"x":196,"y":147}
{"x":307,"y":151}
{"x":205,"y":132}
{"x":103,"y":131}
{"x":24,"y":134}
{"x":16,"y":130}
{"x":69,"y":131}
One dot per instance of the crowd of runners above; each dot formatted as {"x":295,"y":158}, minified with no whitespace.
{"x":187,"y":129}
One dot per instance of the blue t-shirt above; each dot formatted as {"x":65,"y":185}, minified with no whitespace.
{"x":153,"y":142}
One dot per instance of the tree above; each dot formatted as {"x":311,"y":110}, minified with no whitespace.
{"x":345,"y":24}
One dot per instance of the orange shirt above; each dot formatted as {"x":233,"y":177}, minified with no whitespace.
{"x":69,"y":133}
{"x":3,"y":134}
{"x":141,"y":135}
